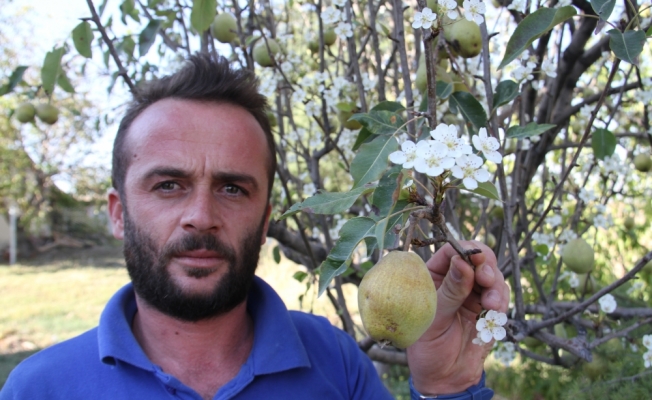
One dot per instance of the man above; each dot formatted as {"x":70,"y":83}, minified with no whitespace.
{"x":192,"y":173}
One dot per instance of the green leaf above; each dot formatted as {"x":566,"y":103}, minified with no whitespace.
{"x":532,"y":27}
{"x":444,"y":89}
{"x":506,"y":91}
{"x":372,"y":160}
{"x":202,"y":14}
{"x":649,"y":31}
{"x":386,"y":193}
{"x":300,"y":275}
{"x":351,"y":233}
{"x":277,"y":255}
{"x":328,"y":202}
{"x":51,"y":69}
{"x":128,"y":46}
{"x":82,"y":37}
{"x":363,"y":137}
{"x":471,"y":109}
{"x":531,"y":129}
{"x":148,"y":36}
{"x":388,"y":106}
{"x":603,"y":143}
{"x":14,"y":79}
{"x":603,"y":8}
{"x":485,"y":189}
{"x":64,"y":83}
{"x":380,"y":122}
{"x":627,"y":46}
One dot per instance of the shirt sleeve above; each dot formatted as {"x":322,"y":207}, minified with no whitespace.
{"x":364,"y":382}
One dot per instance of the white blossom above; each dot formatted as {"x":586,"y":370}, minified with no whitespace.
{"x":647,"y":358}
{"x":563,"y":3}
{"x":331,"y":15}
{"x":567,"y":235}
{"x":518,"y":6}
{"x":491,"y":326}
{"x":524,"y":72}
{"x":309,"y":189}
{"x":406,"y":156}
{"x":312,"y":108}
{"x":587,"y":195}
{"x":543,"y":238}
{"x":447,"y":135}
{"x":431,"y":159}
{"x":549,"y":68}
{"x":424,"y":19}
{"x":344,"y":30}
{"x":607,"y":303}
{"x":505,"y":353}
{"x":553,"y":220}
{"x":474,"y":10}
{"x":487,"y":145}
{"x":574,"y":280}
{"x":603,"y":221}
{"x":647,"y":341}
{"x":469,"y":168}
{"x":448,"y":7}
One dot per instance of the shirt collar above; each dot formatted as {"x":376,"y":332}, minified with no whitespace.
{"x":277,"y":344}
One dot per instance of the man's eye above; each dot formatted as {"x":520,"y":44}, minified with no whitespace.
{"x":232,"y":189}
{"x":167,"y":186}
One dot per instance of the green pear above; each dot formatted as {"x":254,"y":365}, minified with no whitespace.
{"x":629,"y":223}
{"x":578,"y":256}
{"x":397,"y":299}
{"x":330,"y":37}
{"x":225,"y":28}
{"x":463,"y":36}
{"x":643,"y":162}
{"x":25,"y":112}
{"x":47,"y":113}
{"x":263,"y":56}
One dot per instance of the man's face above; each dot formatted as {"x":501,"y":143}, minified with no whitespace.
{"x":195,"y":206}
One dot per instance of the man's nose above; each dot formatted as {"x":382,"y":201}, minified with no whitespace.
{"x":201,"y":212}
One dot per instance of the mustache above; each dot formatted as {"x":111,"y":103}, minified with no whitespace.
{"x":197,"y":242}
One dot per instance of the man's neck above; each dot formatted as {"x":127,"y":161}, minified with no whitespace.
{"x":205,"y":354}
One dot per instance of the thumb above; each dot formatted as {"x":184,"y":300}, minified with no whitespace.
{"x":454,"y":291}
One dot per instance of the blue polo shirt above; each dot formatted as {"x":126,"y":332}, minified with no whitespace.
{"x":295,"y":356}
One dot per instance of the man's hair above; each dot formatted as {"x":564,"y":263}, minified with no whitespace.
{"x":202,"y":78}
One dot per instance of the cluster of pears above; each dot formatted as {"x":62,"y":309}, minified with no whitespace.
{"x":397,"y":299}
{"x":225,"y":29}
{"x":46,"y":112}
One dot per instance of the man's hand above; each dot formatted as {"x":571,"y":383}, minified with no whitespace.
{"x":444,"y":360}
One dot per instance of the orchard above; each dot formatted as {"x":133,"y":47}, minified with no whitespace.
{"x":404,"y":126}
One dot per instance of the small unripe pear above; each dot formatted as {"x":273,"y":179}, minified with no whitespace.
{"x":330,"y":36}
{"x":397,"y":299}
{"x":643,"y":162}
{"x":578,"y":256}
{"x":224,"y":28}
{"x":262,"y":56}
{"x":490,"y":240}
{"x":47,"y":113}
{"x":25,"y":112}
{"x":629,"y":223}
{"x":464,"y":37}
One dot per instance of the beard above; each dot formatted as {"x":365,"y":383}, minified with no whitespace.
{"x":147,"y":267}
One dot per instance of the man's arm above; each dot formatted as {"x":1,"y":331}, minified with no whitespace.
{"x":444,"y":360}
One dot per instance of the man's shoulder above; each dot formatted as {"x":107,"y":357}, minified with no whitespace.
{"x":55,"y":363}
{"x":319,"y":334}
{"x":78,"y":349}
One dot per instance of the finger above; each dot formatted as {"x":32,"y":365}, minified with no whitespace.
{"x":440,"y":261}
{"x":454,"y":290}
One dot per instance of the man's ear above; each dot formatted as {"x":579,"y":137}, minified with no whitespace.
{"x":268,"y":212}
{"x":116,"y":214}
